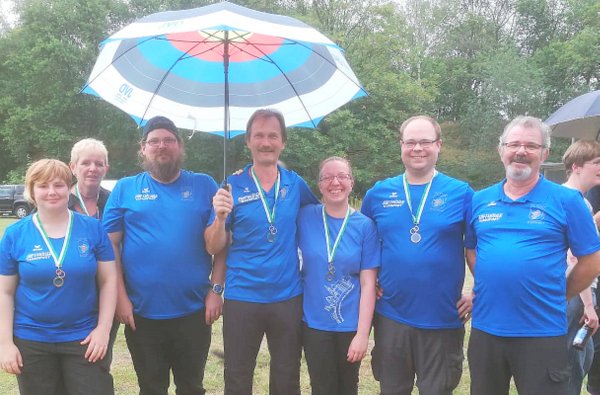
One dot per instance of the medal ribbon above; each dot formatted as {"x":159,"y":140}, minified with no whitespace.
{"x":81,"y":202}
{"x":331,"y":250}
{"x":270,"y":213}
{"x":416,"y":219}
{"x":57,"y":261}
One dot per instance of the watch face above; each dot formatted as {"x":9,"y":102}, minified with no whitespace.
{"x":217,"y":288}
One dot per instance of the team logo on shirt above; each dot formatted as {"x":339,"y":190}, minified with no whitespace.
{"x":492,"y":203}
{"x":536,"y":214}
{"x":392,"y":203}
{"x":438,"y":203}
{"x":37,"y":254}
{"x":186,"y":193}
{"x":83,"y":246}
{"x":283,"y":192}
{"x":492,"y":217}
{"x":246,"y":190}
{"x":393,"y":195}
{"x":146,"y":195}
{"x":249,"y":198}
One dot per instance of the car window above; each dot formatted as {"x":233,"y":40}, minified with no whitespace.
{"x":5,"y":192}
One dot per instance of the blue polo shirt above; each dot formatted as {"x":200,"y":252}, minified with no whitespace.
{"x":521,"y":246}
{"x":258,"y":270}
{"x":333,"y":305}
{"x":165,"y":264}
{"x":422,"y":282}
{"x":43,"y":312}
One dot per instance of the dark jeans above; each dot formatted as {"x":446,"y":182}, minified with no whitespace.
{"x":593,"y":383}
{"x":403,"y":352}
{"x":326,"y":355}
{"x":538,"y":364}
{"x":59,"y":368}
{"x":178,"y":344}
{"x":244,"y":325}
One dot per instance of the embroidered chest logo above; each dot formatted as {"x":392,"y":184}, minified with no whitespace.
{"x":438,"y":202}
{"x":83,"y":246}
{"x":536,"y":215}
{"x":186,"y":193}
{"x":393,"y":201}
{"x":249,"y":198}
{"x":146,"y":195}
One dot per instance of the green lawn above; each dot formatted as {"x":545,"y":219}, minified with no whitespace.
{"x":125,"y":380}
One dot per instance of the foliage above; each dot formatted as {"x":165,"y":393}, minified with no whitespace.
{"x":473,"y":65}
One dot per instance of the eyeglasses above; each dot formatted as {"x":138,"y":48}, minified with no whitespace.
{"x":167,"y":141}
{"x":410,"y":144}
{"x":340,"y":177}
{"x":529,"y":147}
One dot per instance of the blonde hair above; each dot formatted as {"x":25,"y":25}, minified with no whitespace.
{"x":45,"y":170}
{"x":87,"y":145}
{"x":580,"y":152}
{"x":335,"y":159}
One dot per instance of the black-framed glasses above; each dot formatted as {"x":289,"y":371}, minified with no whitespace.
{"x":340,"y":177}
{"x":529,"y":147}
{"x":410,"y":144}
{"x":155,"y":142}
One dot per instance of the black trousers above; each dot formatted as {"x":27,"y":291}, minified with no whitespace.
{"x":244,"y":325}
{"x":59,"y":368}
{"x":326,"y":356}
{"x":178,"y":344}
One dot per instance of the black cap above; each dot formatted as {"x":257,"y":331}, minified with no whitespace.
{"x":159,"y":122}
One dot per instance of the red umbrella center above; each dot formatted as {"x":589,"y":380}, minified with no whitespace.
{"x":209,"y":45}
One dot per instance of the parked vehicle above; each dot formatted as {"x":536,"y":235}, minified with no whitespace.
{"x":13,"y":202}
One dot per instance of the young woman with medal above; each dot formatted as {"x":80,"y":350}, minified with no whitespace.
{"x":57,"y":292}
{"x":89,"y":164}
{"x":340,"y":256}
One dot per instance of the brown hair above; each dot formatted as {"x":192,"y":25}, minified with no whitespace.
{"x":580,"y":152}
{"x":45,"y":170}
{"x":267,"y":113}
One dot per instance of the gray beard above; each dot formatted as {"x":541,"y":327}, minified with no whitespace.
{"x":162,"y":171}
{"x":518,"y":174}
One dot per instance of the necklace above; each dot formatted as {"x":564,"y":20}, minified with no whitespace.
{"x":331,"y":250}
{"x":270,"y":213}
{"x":415,"y":236}
{"x":59,"y":279}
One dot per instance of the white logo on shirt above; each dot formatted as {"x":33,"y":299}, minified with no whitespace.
{"x":392,"y":203}
{"x":338,"y":291}
{"x":490,"y":217}
{"x":536,"y":215}
{"x":249,"y":198}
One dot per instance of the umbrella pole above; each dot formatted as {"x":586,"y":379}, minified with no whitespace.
{"x":226,"y":105}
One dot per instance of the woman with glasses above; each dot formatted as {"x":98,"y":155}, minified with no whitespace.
{"x":340,"y":256}
{"x":58,"y":286}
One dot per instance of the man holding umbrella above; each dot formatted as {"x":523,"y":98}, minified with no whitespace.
{"x":256,"y":223}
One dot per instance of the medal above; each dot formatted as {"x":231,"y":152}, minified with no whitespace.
{"x":272,"y":231}
{"x":331,"y":250}
{"x":59,"y":279}
{"x":415,"y":236}
{"x":272,"y":235}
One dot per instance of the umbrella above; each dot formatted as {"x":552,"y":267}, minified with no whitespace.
{"x":208,"y":69}
{"x":579,"y":118}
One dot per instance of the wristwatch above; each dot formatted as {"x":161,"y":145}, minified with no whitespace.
{"x":217,"y":288}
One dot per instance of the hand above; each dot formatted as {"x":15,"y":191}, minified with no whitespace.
{"x":214,"y":307}
{"x":222,"y":203}
{"x":378,"y":290}
{"x":358,"y":348}
{"x":10,"y":358}
{"x":465,"y":306}
{"x":97,"y":342}
{"x":590,"y":317}
{"x":124,"y":311}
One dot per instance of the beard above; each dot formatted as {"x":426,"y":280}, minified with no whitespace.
{"x":162,"y":171}
{"x":518,"y":174}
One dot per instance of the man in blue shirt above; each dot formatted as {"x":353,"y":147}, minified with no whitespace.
{"x":156,"y":222}
{"x":421,"y":220}
{"x":523,"y":227}
{"x":257,"y":224}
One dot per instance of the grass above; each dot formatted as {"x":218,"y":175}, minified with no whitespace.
{"x":126,"y":383}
